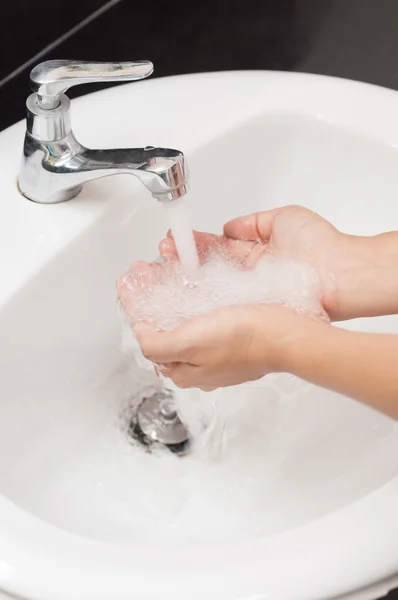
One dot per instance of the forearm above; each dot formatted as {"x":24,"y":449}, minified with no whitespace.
{"x":367,"y":282}
{"x":359,"y":365}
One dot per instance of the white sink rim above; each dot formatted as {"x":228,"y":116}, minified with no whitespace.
{"x":34,"y":572}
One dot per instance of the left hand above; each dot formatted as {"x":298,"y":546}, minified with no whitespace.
{"x":222,"y":348}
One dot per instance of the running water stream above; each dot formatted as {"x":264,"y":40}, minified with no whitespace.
{"x":179,"y":221}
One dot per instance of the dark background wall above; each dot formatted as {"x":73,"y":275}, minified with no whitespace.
{"x":347,"y":38}
{"x":357,"y":39}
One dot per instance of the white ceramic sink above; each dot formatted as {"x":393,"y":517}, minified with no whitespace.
{"x":84,"y":514}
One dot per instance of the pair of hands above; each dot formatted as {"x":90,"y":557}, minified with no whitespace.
{"x":238,"y":344}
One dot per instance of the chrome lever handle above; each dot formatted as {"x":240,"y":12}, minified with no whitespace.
{"x":52,"y":78}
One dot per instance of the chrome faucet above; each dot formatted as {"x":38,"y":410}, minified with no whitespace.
{"x":55,"y":165}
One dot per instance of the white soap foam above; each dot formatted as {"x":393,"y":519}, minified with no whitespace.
{"x":169,"y":295}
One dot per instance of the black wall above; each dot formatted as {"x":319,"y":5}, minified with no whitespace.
{"x":347,"y":38}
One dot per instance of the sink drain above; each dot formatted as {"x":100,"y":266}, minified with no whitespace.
{"x":156,"y":422}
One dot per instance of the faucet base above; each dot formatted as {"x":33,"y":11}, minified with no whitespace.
{"x":64,"y":195}
{"x":55,"y":198}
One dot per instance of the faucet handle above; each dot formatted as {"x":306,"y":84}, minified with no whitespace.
{"x":52,"y":78}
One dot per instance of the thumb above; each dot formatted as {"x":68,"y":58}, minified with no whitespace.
{"x":143,"y":329}
{"x":253,"y":227}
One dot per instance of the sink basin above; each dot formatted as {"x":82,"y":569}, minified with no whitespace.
{"x":86,"y":514}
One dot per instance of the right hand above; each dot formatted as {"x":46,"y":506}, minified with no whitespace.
{"x":345,"y":264}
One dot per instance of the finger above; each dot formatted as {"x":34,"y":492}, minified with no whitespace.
{"x":244,"y":250}
{"x":252,"y":227}
{"x":167,"y":248}
{"x":144,"y":329}
{"x":184,"y":376}
{"x":132,"y":290}
{"x":198,"y":235}
{"x":205,"y":243}
{"x":162,"y":346}
{"x":138,"y":276}
{"x":121,"y":285}
{"x":163,"y":368}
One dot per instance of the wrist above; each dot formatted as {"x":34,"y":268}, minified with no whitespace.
{"x":363,"y":281}
{"x":303,"y":349}
{"x":279,"y":335}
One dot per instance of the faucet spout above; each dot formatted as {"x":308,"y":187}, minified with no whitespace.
{"x":163,"y":171}
{"x":55,"y":171}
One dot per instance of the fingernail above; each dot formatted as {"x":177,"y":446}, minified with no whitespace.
{"x":166,"y":245}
